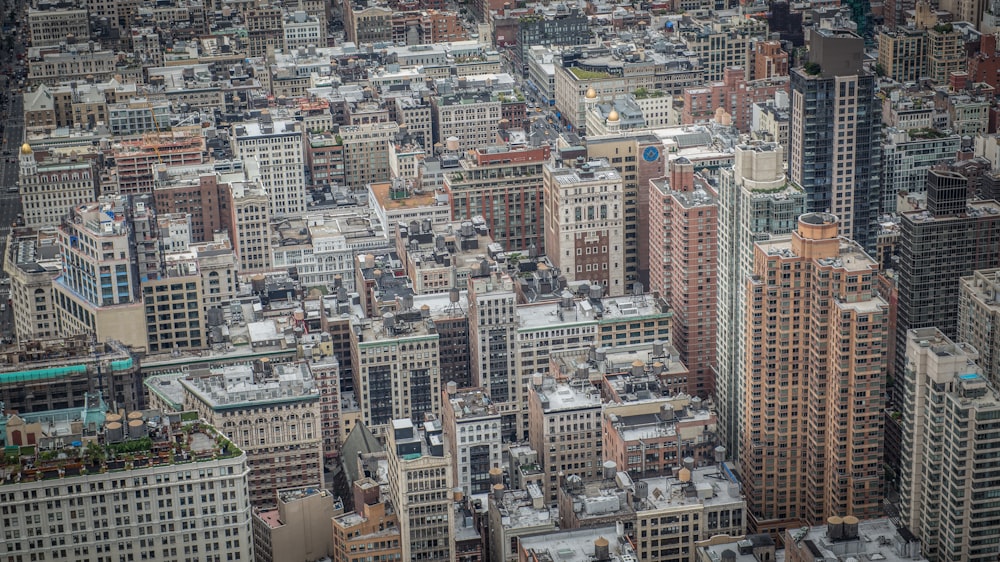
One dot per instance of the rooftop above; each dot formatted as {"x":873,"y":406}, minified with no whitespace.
{"x":710,"y":485}
{"x":575,"y":394}
{"x":472,"y":405}
{"x":599,"y":499}
{"x":984,"y":286}
{"x":625,"y":368}
{"x":238,"y":386}
{"x":875,"y":540}
{"x":572,"y":310}
{"x":462,"y":245}
{"x":518,"y":509}
{"x":91,"y":440}
{"x":590,"y":172}
{"x":577,"y":545}
{"x":35,"y":251}
{"x":400,"y":194}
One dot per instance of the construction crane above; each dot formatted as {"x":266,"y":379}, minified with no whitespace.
{"x":156,"y":145}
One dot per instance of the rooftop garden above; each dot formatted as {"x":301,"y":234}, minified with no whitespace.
{"x":812,"y":68}
{"x":184,"y":442}
{"x":643,"y":93}
{"x":582,"y":74}
{"x":926,"y":133}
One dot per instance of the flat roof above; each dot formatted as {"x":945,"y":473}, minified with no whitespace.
{"x":577,"y":545}
{"x":575,"y":395}
{"x":381,"y":192}
{"x":710,"y":485}
{"x":545,"y":315}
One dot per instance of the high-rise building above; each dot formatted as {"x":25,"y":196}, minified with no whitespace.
{"x":504,"y":186}
{"x":180,"y":493}
{"x":683,"y":253}
{"x":397,"y":373}
{"x":471,"y":423}
{"x":815,"y":331}
{"x":98,"y":292}
{"x":469,"y":118}
{"x":31,"y":261}
{"x":277,"y":146}
{"x":902,"y":53}
{"x":51,"y":22}
{"x":371,"y":530}
{"x":192,"y":190}
{"x":979,"y":319}
{"x":50,"y":187}
{"x":263,"y":29}
{"x":945,"y":52}
{"x":584,"y":224}
{"x":906,"y":157}
{"x":568,"y":411}
{"x":493,"y":324}
{"x":298,"y":528}
{"x":421,"y":484}
{"x":248,"y":217}
{"x":270,"y":411}
{"x":952,"y":238}
{"x":949,"y":413}
{"x":366,"y":153}
{"x":756,"y":201}
{"x":638,"y":159}
{"x":837,"y":166}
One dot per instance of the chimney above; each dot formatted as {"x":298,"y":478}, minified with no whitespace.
{"x":682,"y":175}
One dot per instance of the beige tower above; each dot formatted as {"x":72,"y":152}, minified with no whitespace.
{"x":811,"y":444}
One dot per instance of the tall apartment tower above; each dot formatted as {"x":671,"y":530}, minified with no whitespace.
{"x":979,"y":319}
{"x":277,"y":145}
{"x":950,"y":410}
{"x":585,"y":224}
{"x":837,"y":165}
{"x":683,"y":253}
{"x":938,"y":246}
{"x":811,"y":444}
{"x":492,"y":332}
{"x":756,"y":201}
{"x":418,"y":462}
{"x":98,"y":292}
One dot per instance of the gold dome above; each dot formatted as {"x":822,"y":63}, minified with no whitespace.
{"x":613,"y":116}
{"x":591,"y":93}
{"x":25,"y":148}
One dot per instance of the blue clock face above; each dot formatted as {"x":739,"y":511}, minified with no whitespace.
{"x":650,"y":154}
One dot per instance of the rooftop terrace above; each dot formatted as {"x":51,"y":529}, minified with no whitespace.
{"x":89,"y":440}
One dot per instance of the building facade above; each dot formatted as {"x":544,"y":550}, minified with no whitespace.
{"x":837,"y":167}
{"x":585,"y":224}
{"x":815,"y":333}
{"x":947,"y":411}
{"x":683,"y":256}
{"x":756,"y":201}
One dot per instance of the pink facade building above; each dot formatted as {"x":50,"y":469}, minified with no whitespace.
{"x":683,"y":249}
{"x":734,"y":95}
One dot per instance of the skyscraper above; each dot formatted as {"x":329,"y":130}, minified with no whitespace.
{"x":948,"y":488}
{"x":276,"y":144}
{"x":834,"y":133}
{"x":811,"y":446}
{"x":756,"y":201}
{"x":937,"y":247}
{"x":683,"y":250}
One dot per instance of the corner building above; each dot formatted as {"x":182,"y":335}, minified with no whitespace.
{"x":950,"y":417}
{"x":811,"y":445}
